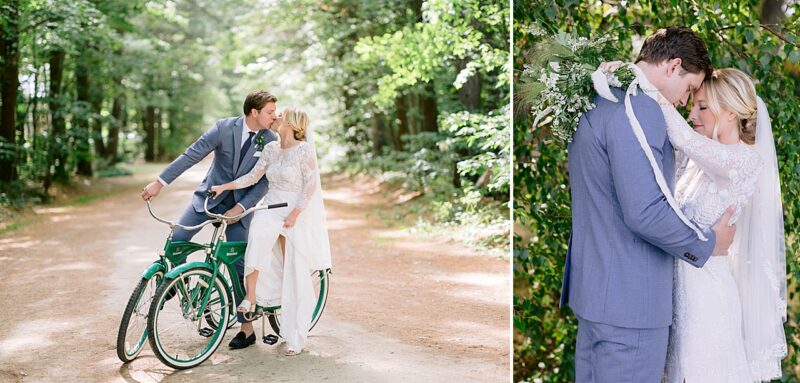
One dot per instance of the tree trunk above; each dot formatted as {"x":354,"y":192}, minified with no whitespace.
{"x":417,"y":5}
{"x":148,"y":122}
{"x":34,"y":109}
{"x":470,"y":92}
{"x":378,"y":132}
{"x":772,"y":11}
{"x":9,"y":83}
{"x":159,"y":128}
{"x":413,"y":114}
{"x":172,"y":115}
{"x":58,"y":140}
{"x":112,"y":148}
{"x":429,"y":109}
{"x":81,"y":129}
{"x":402,"y":120}
{"x":96,"y":97}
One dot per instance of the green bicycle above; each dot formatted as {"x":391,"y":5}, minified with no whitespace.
{"x":184,"y":330}
{"x":132,"y":333}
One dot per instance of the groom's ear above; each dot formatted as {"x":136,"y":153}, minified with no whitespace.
{"x":674,"y":65}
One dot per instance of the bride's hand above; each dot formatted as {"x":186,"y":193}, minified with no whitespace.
{"x":291,"y":219}
{"x":610,"y":66}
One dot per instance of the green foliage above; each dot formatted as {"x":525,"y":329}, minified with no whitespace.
{"x":544,"y":336}
{"x":418,"y":53}
{"x":379,"y":62}
{"x":484,"y":140}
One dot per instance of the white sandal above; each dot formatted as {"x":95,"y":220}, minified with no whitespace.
{"x":291,"y":352}
{"x":245,"y":307}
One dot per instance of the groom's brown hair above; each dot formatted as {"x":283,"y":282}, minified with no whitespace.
{"x":677,"y":42}
{"x":256,"y":100}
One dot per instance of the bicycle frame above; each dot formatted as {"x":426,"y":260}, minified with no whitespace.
{"x":219,"y":253}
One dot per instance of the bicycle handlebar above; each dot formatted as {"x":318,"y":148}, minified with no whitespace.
{"x":210,"y":194}
{"x":217,"y":217}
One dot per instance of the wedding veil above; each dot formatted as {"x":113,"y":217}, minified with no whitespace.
{"x":317,"y":234}
{"x":758,"y":259}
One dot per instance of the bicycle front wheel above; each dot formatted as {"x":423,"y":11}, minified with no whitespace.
{"x":178,"y":327}
{"x":133,"y":327}
{"x":321,"y":280}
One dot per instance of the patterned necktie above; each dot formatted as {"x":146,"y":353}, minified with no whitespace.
{"x":246,"y":147}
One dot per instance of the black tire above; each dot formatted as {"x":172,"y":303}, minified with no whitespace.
{"x":182,"y":347}
{"x":126,"y":351}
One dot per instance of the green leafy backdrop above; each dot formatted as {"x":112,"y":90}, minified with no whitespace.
{"x":758,"y":37}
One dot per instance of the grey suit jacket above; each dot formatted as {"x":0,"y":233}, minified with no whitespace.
{"x":625,"y":236}
{"x":225,"y":140}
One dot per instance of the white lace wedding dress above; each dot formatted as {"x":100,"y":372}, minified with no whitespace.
{"x":706,"y":342}
{"x":293,"y":177}
{"x":729,"y":314}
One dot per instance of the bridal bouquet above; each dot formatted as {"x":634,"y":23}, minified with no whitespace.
{"x":557,"y":81}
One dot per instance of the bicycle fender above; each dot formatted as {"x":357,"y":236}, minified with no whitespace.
{"x":186,"y":266}
{"x":152,"y":270}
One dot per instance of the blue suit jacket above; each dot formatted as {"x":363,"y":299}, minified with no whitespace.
{"x":625,"y":236}
{"x":225,"y":140}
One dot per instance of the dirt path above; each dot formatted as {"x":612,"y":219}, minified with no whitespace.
{"x":401,"y":309}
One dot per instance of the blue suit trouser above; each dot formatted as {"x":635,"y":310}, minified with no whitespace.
{"x":607,"y":354}
{"x":235,"y":232}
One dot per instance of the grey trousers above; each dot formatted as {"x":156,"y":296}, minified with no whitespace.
{"x":607,"y":354}
{"x":235,"y":232}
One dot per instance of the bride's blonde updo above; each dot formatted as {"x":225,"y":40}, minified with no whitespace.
{"x":732,"y":90}
{"x":298,"y":121}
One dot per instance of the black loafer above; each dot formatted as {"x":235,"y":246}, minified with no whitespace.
{"x":241,"y":341}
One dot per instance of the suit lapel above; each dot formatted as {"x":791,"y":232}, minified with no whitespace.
{"x":248,"y":157}
{"x":237,"y":142}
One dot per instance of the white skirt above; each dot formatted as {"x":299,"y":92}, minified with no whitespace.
{"x":282,"y":281}
{"x":706,"y":341}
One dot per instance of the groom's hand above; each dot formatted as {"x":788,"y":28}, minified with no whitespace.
{"x":151,"y":190}
{"x":235,"y":210}
{"x":724,"y":233}
{"x":610,"y":66}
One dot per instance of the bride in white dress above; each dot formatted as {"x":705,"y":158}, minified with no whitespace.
{"x":285,"y":244}
{"x":729,"y":314}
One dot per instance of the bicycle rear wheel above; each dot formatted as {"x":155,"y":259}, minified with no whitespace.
{"x":132,"y":333}
{"x":179,"y":333}
{"x":321,"y":280}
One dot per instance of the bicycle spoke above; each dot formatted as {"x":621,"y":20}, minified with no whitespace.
{"x":184,"y":334}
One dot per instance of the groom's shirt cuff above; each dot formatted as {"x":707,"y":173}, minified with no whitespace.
{"x":163,"y":183}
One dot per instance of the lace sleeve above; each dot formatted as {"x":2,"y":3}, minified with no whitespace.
{"x":714,"y":158}
{"x":310,"y":175}
{"x":257,"y":172}
{"x":744,"y":178}
{"x":735,"y":168}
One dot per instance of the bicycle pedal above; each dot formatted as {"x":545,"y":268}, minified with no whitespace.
{"x":206,"y":332}
{"x":270,"y":339}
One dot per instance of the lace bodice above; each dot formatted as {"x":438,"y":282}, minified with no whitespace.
{"x":718,"y":175}
{"x":293,"y":169}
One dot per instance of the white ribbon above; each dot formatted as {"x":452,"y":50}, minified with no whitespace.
{"x":601,"y":86}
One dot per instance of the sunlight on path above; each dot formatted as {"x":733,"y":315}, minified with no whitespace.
{"x":401,"y":309}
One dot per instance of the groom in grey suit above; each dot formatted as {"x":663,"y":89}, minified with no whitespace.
{"x":235,"y":142}
{"x":625,"y":236}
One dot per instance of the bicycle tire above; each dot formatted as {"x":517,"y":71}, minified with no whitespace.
{"x":123,"y":352}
